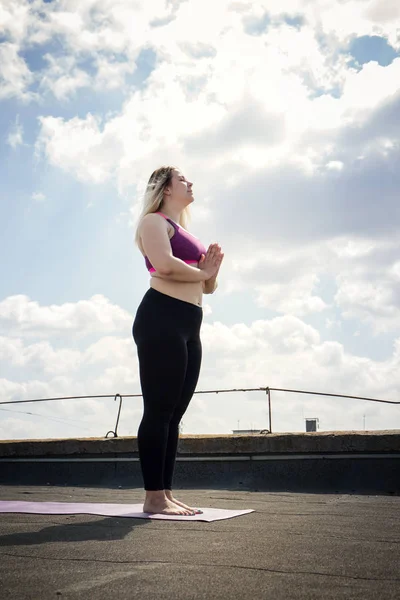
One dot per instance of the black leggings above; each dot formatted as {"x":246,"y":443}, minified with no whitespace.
{"x":167,"y":334}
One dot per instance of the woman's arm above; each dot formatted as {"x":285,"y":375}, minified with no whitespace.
{"x":157,"y":246}
{"x":210,"y":285}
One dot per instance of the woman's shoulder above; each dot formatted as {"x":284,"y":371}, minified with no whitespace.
{"x":151,"y":217}
{"x":154,"y":219}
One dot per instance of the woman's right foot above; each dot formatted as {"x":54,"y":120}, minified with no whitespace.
{"x":165,"y":507}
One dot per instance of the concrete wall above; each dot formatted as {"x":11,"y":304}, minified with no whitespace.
{"x":282,"y":443}
{"x":353,"y":461}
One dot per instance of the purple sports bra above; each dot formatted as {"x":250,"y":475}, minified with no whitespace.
{"x":183,"y":244}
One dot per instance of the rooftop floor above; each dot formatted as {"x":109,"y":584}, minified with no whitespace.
{"x":293,"y":546}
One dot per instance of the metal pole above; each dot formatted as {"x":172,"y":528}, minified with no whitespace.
{"x":119,"y":412}
{"x":269,"y":409}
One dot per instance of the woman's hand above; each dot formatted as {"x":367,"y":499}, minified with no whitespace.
{"x":211,"y":262}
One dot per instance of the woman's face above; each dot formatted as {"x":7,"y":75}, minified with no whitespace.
{"x":181,"y":189}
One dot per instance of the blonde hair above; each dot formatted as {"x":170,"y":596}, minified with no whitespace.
{"x":154,"y":196}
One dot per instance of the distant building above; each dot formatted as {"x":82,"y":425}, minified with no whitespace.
{"x":312,"y":424}
{"x":247,"y":431}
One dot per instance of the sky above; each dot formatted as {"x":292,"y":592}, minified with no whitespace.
{"x":285,"y":116}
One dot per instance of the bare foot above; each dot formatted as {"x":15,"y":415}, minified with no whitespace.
{"x":166,"y":507}
{"x":178,"y":503}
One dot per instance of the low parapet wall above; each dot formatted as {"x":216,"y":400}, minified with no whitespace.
{"x":274,"y":443}
{"x":331,"y":461}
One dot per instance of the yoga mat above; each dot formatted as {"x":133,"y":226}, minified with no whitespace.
{"x":112,"y":510}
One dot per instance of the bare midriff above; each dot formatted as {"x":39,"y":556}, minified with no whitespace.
{"x":186,"y":291}
{"x":181,"y":290}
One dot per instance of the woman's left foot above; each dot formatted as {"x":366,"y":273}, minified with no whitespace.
{"x":197,"y":511}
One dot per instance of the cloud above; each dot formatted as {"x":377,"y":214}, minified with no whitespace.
{"x":378,"y":127}
{"x":385,"y":12}
{"x":73,"y":145}
{"x":282,"y":280}
{"x":276,"y":166}
{"x":38,"y":197}
{"x":249,"y":99}
{"x":63,"y":77}
{"x":39,"y":355}
{"x":287,"y":204}
{"x":20,"y":315}
{"x":15,"y":137}
{"x":294,"y":156}
{"x":248,"y":124}
{"x":280,"y":352}
{"x":15,"y":19}
{"x":335,"y":165}
{"x":111,"y":73}
{"x":15,"y":76}
{"x":370,"y":291}
{"x":198,"y":50}
{"x":102,"y":30}
{"x":95,"y":44}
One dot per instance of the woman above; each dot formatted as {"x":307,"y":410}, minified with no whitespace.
{"x":166,"y":329}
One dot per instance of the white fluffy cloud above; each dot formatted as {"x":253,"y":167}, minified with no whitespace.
{"x":15,"y":18}
{"x":294,"y":156}
{"x":15,"y":137}
{"x":102,"y":30}
{"x":281,"y":352}
{"x":62,"y":142}
{"x":15,"y":76}
{"x":63,"y":77}
{"x":20,"y":314}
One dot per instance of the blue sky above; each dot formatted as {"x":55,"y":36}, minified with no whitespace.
{"x":287,"y":122}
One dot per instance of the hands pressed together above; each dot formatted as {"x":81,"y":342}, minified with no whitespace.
{"x":211,"y":262}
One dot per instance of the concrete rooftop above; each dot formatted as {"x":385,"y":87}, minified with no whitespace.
{"x":294,"y":546}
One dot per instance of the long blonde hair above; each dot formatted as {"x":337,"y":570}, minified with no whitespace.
{"x":154,"y":196}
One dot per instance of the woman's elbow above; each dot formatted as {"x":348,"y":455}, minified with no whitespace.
{"x":163,"y":269}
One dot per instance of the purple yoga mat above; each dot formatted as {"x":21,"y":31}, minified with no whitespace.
{"x":112,"y":510}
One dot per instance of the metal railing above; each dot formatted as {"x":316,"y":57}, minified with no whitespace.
{"x":267,"y":390}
